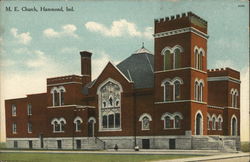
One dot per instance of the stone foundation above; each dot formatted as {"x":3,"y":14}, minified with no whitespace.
{"x":128,"y":142}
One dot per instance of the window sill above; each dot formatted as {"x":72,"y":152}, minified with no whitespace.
{"x":58,"y":131}
{"x":110,"y":130}
{"x":171,"y":128}
{"x":145,"y":129}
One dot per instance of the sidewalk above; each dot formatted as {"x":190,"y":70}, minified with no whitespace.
{"x":239,"y":157}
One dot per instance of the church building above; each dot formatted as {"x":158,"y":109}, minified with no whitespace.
{"x":162,"y":100}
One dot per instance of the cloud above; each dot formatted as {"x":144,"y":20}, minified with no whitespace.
{"x":119,"y":28}
{"x":67,"y":30}
{"x":99,"y":63}
{"x":39,"y":61}
{"x":22,"y":38}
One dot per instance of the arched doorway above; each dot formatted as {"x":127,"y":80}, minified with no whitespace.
{"x":198,"y":124}
{"x":91,"y":127}
{"x":234,"y":126}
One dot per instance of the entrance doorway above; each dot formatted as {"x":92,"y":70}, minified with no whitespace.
{"x":30,"y":145}
{"x":145,"y":143}
{"x":198,"y":122}
{"x":78,"y":144}
{"x":171,"y":143}
{"x":91,"y":128}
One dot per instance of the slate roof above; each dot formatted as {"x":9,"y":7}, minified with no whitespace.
{"x":139,"y":68}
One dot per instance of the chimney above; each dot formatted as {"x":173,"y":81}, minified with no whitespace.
{"x":86,"y":66}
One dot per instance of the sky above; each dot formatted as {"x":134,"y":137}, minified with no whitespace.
{"x":37,"y":45}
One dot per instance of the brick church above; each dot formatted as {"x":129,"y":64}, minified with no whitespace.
{"x":162,"y":100}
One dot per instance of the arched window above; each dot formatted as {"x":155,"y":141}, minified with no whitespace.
{"x":29,"y":127}
{"x":196,"y":89}
{"x":13,"y":110}
{"x":214,"y":123}
{"x":168,"y":60}
{"x":167,"y":122}
{"x":177,"y":58}
{"x":111,"y":120}
{"x":105,"y":121}
{"x":58,"y":96}
{"x":177,"y":94}
{"x":201,"y":91}
{"x":234,"y":97}
{"x":62,"y":97}
{"x":14,"y":128}
{"x":177,"y":122}
{"x":209,"y":119}
{"x":55,"y":98}
{"x":58,"y":125}
{"x":62,"y":124}
{"x":219,"y":123}
{"x":109,"y":93}
{"x":198,"y":57}
{"x":168,"y":91}
{"x":145,"y":121}
{"x":78,"y":122}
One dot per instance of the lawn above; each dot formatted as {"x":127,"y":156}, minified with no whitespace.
{"x":56,"y":157}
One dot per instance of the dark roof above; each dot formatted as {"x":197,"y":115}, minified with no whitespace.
{"x":139,"y":68}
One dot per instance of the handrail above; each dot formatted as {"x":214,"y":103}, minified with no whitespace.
{"x":103,"y":142}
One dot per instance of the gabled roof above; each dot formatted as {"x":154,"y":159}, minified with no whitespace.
{"x":139,"y":68}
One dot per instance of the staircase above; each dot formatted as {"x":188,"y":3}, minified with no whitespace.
{"x":213,"y":143}
{"x":93,"y":143}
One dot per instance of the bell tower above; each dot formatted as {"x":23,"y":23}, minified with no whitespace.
{"x":180,"y":66}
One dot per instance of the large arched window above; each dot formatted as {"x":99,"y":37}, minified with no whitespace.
{"x":109,"y":93}
{"x":145,"y":121}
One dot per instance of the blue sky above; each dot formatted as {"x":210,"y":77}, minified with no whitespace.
{"x":37,"y":45}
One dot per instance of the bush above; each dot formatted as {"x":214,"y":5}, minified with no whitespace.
{"x":245,"y":146}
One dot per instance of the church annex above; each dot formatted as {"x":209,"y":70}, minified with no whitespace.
{"x":162,"y":100}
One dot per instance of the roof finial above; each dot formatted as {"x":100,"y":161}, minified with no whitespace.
{"x":142,"y":45}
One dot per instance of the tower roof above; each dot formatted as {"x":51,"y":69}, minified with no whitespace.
{"x":142,"y":50}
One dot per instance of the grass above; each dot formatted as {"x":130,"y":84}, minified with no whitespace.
{"x":245,"y":146}
{"x":57,"y":157}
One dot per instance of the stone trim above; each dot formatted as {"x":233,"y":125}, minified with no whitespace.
{"x":63,"y":83}
{"x":223,"y":78}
